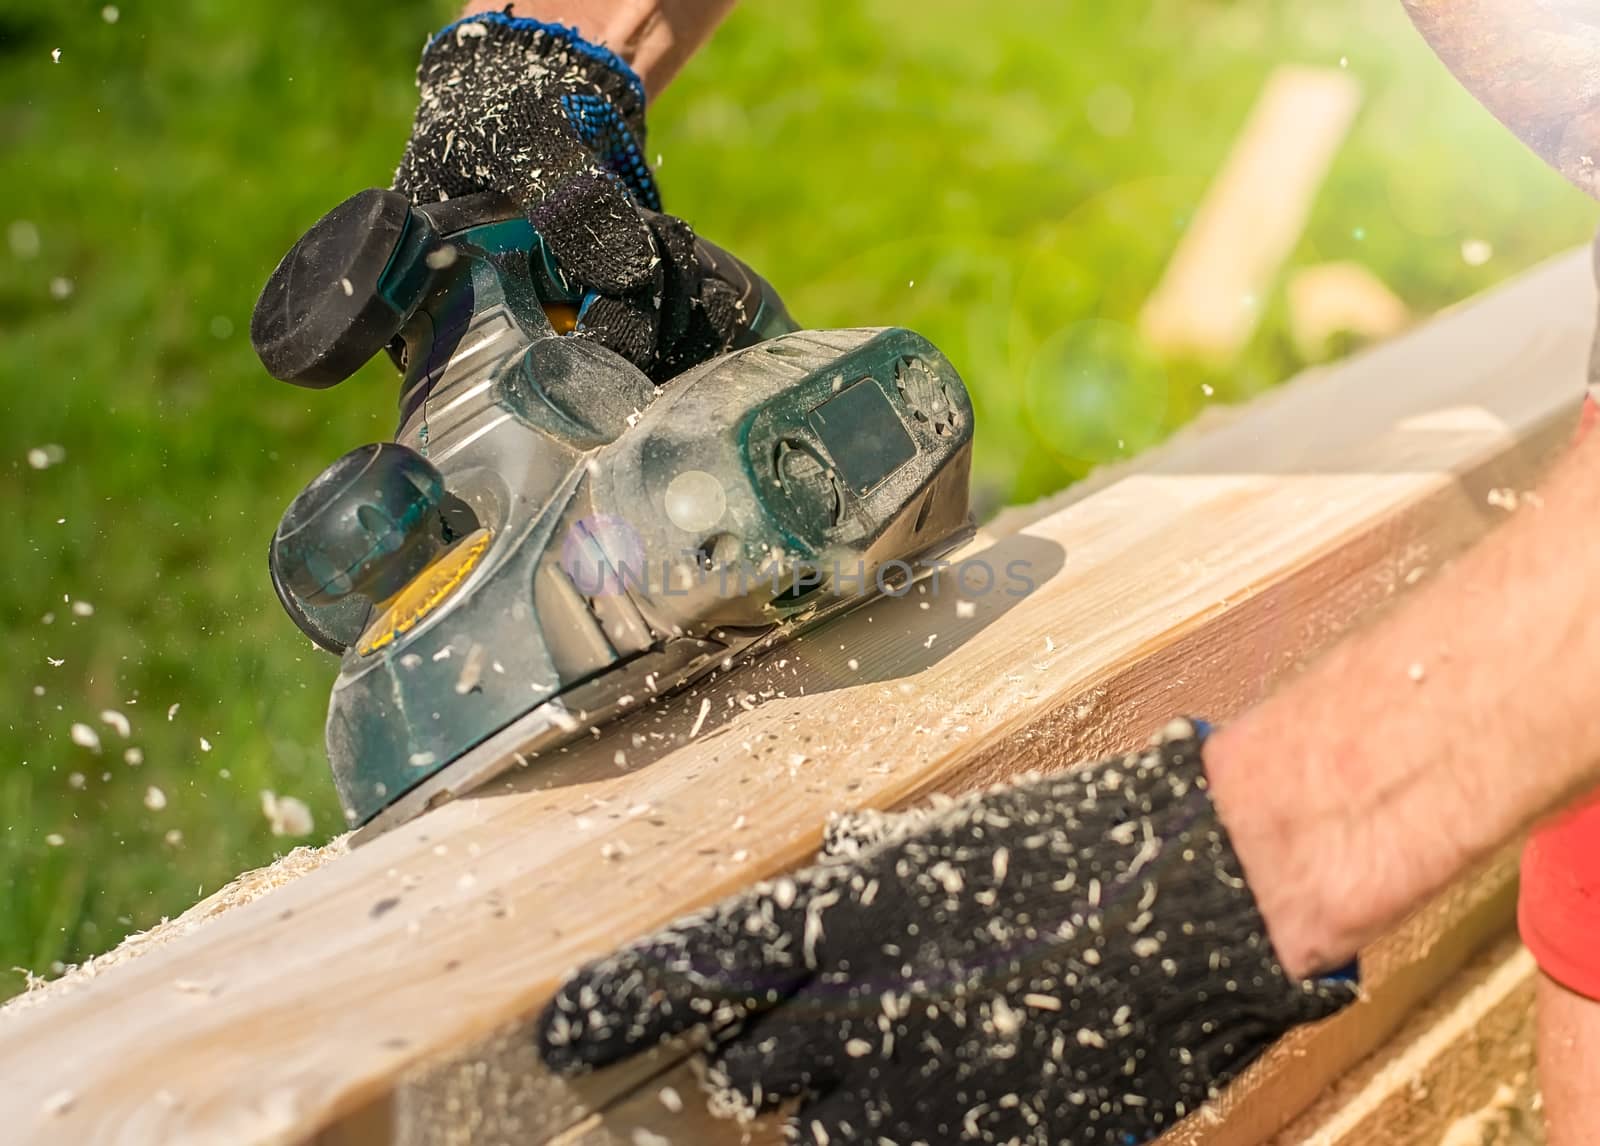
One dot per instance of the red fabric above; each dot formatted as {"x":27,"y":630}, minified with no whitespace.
{"x":1558,"y":911}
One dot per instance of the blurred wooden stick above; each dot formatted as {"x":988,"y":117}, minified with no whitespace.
{"x":1212,"y":293}
{"x":1330,"y":299}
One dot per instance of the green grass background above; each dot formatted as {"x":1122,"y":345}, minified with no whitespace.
{"x":1008,"y":179}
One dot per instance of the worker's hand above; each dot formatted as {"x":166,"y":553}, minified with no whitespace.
{"x":532,"y":111}
{"x":1075,"y":958}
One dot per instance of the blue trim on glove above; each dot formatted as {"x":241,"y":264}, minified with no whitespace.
{"x":1349,"y":973}
{"x":589,"y":298}
{"x":603,"y":130}
{"x":597,"y":52}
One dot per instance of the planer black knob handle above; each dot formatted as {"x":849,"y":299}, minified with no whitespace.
{"x":355,"y":537}
{"x":325,"y":311}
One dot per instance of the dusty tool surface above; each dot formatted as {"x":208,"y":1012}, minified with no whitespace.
{"x":552,"y":540}
{"x":378,"y":997}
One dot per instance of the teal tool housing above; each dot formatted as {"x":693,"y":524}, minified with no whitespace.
{"x":551,"y":540}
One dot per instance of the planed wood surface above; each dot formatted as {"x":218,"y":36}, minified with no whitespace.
{"x":1214,"y":289}
{"x":1451,"y":1070}
{"x":378,"y":997}
{"x":1400,"y":972}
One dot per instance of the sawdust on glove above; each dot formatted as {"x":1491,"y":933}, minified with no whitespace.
{"x":533,"y":111}
{"x":1072,"y":959}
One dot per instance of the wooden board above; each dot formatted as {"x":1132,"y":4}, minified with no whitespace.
{"x":1448,"y":1072}
{"x":1215,"y":288}
{"x":1188,"y":588}
{"x":1400,"y":972}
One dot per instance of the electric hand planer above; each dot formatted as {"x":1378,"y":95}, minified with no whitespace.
{"x":552,"y":540}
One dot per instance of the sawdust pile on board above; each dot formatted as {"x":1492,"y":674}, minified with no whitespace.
{"x":246,"y":888}
{"x":1460,"y":1071}
{"x":1511,"y":1118}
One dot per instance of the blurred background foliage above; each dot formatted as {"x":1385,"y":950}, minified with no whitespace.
{"x":1009,"y":179}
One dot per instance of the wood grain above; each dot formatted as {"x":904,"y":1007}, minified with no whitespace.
{"x":1446,"y":1068}
{"x":379,"y":996}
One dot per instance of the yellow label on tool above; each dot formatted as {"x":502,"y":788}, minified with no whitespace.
{"x":425,"y":592}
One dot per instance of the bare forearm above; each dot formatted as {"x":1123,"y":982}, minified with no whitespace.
{"x":656,"y":37}
{"x":1532,"y":65}
{"x":1428,"y":741}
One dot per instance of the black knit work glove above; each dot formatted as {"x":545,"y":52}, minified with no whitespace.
{"x":532,"y":111}
{"x":1073,"y":959}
